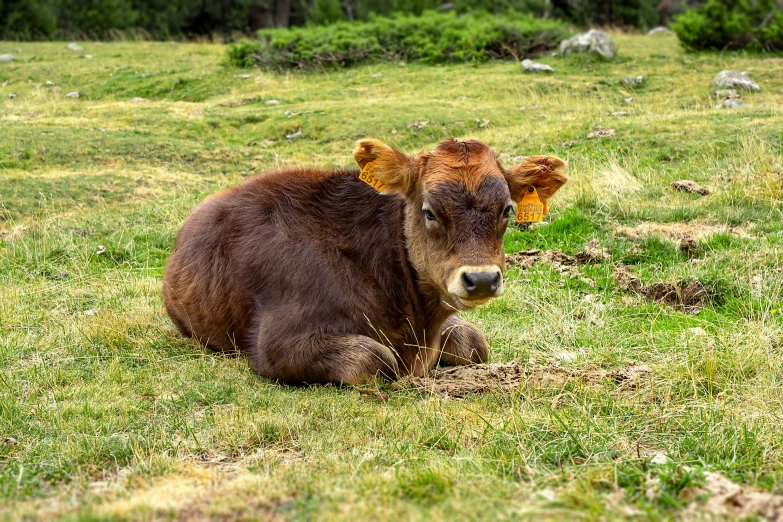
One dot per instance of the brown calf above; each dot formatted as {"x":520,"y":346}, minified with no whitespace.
{"x":318,"y":277}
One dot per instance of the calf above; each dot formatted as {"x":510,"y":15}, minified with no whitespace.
{"x":345,"y":275}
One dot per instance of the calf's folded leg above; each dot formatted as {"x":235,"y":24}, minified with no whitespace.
{"x":323,"y":358}
{"x":462,"y":343}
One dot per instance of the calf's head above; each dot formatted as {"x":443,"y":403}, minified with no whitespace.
{"x":458,"y":202}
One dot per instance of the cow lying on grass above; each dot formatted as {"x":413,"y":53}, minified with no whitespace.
{"x":319,"y":276}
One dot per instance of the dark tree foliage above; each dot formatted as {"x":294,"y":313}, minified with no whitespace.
{"x":47,"y":19}
{"x":732,"y":24}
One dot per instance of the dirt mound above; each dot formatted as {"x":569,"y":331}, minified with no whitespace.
{"x":686,"y":185}
{"x":729,"y":499}
{"x":678,"y":231}
{"x":478,"y":379}
{"x":592,"y":253}
{"x":691,"y":296}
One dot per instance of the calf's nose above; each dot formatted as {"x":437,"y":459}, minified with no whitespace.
{"x":483,"y":283}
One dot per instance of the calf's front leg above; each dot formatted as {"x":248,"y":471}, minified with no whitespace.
{"x":462,"y":343}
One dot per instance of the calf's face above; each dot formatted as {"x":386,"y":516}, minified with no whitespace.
{"x":458,"y":202}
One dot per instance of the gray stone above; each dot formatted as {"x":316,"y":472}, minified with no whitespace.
{"x":272,"y":102}
{"x":49,"y":83}
{"x":732,"y":104}
{"x":659,"y":31}
{"x":73,"y":94}
{"x":75,"y":47}
{"x":294,"y":135}
{"x":633,"y":81}
{"x":530,"y":65}
{"x":6,"y":57}
{"x":12,"y":96}
{"x":592,"y":41}
{"x":728,"y":79}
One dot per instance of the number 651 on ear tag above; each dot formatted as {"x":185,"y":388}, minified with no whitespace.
{"x":530,"y":209}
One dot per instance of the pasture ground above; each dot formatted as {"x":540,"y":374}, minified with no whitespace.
{"x":107,"y":413}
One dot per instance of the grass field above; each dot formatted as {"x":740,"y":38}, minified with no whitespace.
{"x":106,"y":412}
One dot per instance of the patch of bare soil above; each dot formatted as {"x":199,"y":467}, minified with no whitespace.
{"x":691,"y":296}
{"x":479,"y":379}
{"x":731,"y":500}
{"x":560,"y":261}
{"x":686,"y":185}
{"x":678,"y":231}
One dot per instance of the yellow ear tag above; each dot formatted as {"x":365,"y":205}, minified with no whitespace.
{"x":367,"y":176}
{"x":530,"y":209}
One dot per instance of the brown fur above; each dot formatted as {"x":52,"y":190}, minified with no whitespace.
{"x":317,"y":277}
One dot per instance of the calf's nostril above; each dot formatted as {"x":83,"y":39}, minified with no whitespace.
{"x":496,"y":282}
{"x":468,"y":283}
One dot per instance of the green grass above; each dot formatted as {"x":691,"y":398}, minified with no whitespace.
{"x":116,"y":416}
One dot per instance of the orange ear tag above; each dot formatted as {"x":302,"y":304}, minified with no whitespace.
{"x":530,"y":209}
{"x":367,"y":176}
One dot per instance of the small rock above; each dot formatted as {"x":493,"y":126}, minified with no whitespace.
{"x":593,"y":41}
{"x":10,"y":441}
{"x":12,"y":96}
{"x":569,"y":143}
{"x":88,"y":56}
{"x":620,"y":113}
{"x":627,"y":100}
{"x":633,"y":81}
{"x":530,"y":65}
{"x":138,"y":100}
{"x":59,"y":277}
{"x":728,"y":79}
{"x":75,"y":47}
{"x":73,"y":94}
{"x":732,"y":104}
{"x":726,"y":93}
{"x":698,"y":331}
{"x":659,"y":458}
{"x":56,"y":89}
{"x":602,"y":133}
{"x":659,"y":31}
{"x":244,"y":76}
{"x":272,"y":102}
{"x":6,"y":57}
{"x":690,"y":186}
{"x":294,"y":135}
{"x":101,"y":250}
{"x":378,"y":75}
{"x":89,"y":313}
{"x":49,"y":83}
{"x":546,"y":494}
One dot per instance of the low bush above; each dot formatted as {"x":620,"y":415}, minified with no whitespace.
{"x":430,"y":38}
{"x":732,"y":24}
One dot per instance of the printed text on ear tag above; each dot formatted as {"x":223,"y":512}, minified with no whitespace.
{"x":367,"y":176}
{"x":530,"y":209}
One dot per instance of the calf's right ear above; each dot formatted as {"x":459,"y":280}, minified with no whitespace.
{"x":392,"y":168}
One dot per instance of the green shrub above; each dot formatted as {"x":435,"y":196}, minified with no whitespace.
{"x":430,"y":38}
{"x":732,"y":24}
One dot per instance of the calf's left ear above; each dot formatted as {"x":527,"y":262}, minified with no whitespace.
{"x":545,"y":173}
{"x":392,"y":168}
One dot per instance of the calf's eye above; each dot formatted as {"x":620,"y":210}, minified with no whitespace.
{"x":428,"y":214}
{"x":509,"y":210}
